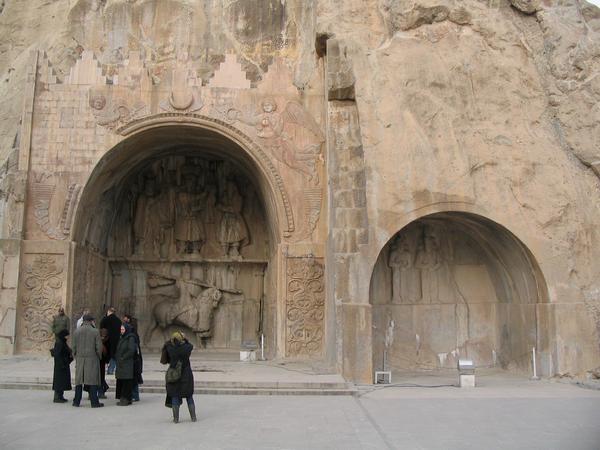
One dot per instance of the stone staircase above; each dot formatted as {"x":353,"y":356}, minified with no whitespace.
{"x":211,"y":377}
{"x":209,"y":387}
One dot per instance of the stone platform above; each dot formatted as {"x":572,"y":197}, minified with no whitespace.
{"x":214,"y":373}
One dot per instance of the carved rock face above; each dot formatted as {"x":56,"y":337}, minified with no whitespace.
{"x":405,"y":108}
{"x":526,"y":6}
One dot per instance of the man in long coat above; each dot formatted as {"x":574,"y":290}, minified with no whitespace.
{"x":113,"y":325}
{"x":87,"y":350}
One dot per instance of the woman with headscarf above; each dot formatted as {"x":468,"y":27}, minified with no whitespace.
{"x":178,"y":349}
{"x":138,"y":362}
{"x":124,"y":357}
{"x":61,"y":381}
{"x":103,"y":362}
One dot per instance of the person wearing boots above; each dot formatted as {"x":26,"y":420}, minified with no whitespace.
{"x":179,"y":349}
{"x":124,"y":355}
{"x":61,"y":380}
{"x":87,"y":350}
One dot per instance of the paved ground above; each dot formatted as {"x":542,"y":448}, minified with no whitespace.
{"x":518,"y":414}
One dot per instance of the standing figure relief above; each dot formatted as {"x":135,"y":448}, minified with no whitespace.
{"x":184,"y":207}
{"x":422,"y":266}
{"x":406,"y":278}
{"x":233,"y":232}
{"x":189,"y":230}
{"x":152,"y":220}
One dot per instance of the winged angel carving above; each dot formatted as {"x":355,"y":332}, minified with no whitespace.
{"x":275,"y":129}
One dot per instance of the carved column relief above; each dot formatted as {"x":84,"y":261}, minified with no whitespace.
{"x":12,"y":201}
{"x":305,"y":307}
{"x":42,"y":282}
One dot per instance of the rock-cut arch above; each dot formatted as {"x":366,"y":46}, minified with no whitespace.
{"x":168,"y":149}
{"x":457,"y":285}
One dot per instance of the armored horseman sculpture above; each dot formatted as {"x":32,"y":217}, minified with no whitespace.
{"x":193,"y":308}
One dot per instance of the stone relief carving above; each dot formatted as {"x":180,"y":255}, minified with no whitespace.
{"x":182,"y":102}
{"x":312,"y":199}
{"x":44,"y":190}
{"x":219,"y":304}
{"x":12,"y":195}
{"x":221,"y":105}
{"x":232,"y":230}
{"x":273,"y":129}
{"x":186,"y":206}
{"x":153,"y":220}
{"x":95,"y":230}
{"x":117,"y":113}
{"x":190,"y":234}
{"x":182,"y":98}
{"x":421,"y":259}
{"x":227,"y":126}
{"x":406,"y":278}
{"x":184,"y":302}
{"x":40,"y":302}
{"x":305,"y":307}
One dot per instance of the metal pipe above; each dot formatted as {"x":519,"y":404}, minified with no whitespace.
{"x":535,"y":377}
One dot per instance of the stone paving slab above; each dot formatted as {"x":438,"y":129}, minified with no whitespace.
{"x":382,"y":419}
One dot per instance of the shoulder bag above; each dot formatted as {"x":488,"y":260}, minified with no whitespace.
{"x":173,"y":373}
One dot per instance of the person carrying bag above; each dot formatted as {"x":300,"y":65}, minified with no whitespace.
{"x":179,"y":378}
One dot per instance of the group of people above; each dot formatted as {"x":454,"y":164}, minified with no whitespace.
{"x":115,"y":349}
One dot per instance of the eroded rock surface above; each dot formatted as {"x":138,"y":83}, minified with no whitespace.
{"x":488,"y":108}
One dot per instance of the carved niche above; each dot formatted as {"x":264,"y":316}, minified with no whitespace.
{"x":305,"y":307}
{"x":42,"y":282}
{"x":188,"y":245}
{"x":188,"y":207}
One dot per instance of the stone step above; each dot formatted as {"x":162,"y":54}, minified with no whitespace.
{"x":206,"y":388}
{"x":204,"y":384}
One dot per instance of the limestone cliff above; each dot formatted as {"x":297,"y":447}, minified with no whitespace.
{"x":484,"y":106}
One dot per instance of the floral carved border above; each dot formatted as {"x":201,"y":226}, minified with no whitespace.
{"x":305,"y":307}
{"x":42,"y":281}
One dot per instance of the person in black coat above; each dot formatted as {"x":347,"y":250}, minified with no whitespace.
{"x":61,"y":380}
{"x":124,"y":372}
{"x":138,"y":361}
{"x":175,"y":350}
{"x":113,"y":325}
{"x":103,"y":362}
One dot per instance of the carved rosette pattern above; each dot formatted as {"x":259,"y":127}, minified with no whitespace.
{"x":40,"y":303}
{"x":305,"y":307}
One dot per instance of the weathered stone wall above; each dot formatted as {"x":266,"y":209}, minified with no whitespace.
{"x":488,"y":108}
{"x":462,"y":107}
